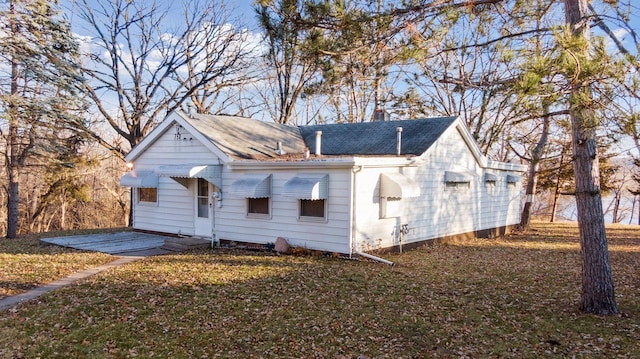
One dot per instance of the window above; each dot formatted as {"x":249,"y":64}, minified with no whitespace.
{"x":258,"y":207}
{"x":490,"y":186}
{"x":203,"y":198}
{"x":312,"y":208}
{"x":457,"y":180}
{"x":458,"y":185}
{"x":149,"y":195}
{"x":391,"y":207}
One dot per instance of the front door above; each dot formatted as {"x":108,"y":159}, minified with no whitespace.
{"x":204,"y":209}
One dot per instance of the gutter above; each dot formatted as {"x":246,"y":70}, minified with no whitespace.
{"x":340,"y":162}
{"x":261,"y":164}
{"x":506,"y":166}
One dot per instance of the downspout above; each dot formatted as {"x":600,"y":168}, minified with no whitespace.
{"x":381,"y":260}
{"x":354,"y":216}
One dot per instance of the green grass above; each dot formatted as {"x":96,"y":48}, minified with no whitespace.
{"x":510,"y":297}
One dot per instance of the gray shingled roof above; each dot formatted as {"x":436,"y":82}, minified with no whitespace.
{"x":377,"y":138}
{"x":245,"y":138}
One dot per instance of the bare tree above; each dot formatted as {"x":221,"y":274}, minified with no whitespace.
{"x":145,"y":61}
{"x":219,"y":63}
{"x":475,"y":82}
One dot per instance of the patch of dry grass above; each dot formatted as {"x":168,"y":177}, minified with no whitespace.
{"x":26,"y":264}
{"x":509,"y":297}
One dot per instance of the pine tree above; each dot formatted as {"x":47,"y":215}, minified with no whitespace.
{"x":285,"y":36}
{"x":598,"y":295}
{"x":37,"y":96}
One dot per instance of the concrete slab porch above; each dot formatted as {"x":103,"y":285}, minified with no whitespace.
{"x":111,"y":243}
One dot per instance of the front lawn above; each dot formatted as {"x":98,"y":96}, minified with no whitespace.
{"x":26,"y":264}
{"x":510,"y":297}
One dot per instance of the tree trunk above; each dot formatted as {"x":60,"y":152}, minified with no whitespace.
{"x":12,"y":142}
{"x":63,"y":213}
{"x":12,"y":203}
{"x":598,"y":295}
{"x":554,"y":207}
{"x":129,"y":220}
{"x":556,"y":193}
{"x":616,"y":207}
{"x":532,"y":180}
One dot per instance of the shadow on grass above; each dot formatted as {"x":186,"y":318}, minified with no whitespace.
{"x":440,"y":301}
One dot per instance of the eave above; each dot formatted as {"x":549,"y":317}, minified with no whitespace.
{"x":340,"y":162}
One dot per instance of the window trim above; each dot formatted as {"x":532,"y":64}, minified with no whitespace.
{"x":259,"y":215}
{"x":388,"y":207}
{"x":457,"y":186}
{"x":139,"y":200}
{"x":313,"y":218}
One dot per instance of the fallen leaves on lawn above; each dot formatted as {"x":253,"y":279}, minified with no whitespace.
{"x":25,"y":264}
{"x":509,"y":297}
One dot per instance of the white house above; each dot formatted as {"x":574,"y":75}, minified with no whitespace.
{"x":342,"y":188}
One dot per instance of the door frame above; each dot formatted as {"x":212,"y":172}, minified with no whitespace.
{"x":204,"y":226}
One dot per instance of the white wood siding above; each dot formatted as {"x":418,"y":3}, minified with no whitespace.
{"x":440,"y":210}
{"x":175,"y":210}
{"x":332,"y":235}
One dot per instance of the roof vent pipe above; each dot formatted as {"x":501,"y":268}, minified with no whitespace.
{"x":399,"y":132}
{"x":279,"y":149}
{"x":318,"y":143}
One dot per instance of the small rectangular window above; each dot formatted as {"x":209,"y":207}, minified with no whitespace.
{"x":312,"y":208}
{"x":457,"y":185}
{"x":391,"y":207}
{"x":259,"y":206}
{"x":149,"y":195}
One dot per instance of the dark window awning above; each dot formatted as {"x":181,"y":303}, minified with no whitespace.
{"x":252,"y":186}
{"x":513,"y":179}
{"x":457,"y":177}
{"x":139,"y":179}
{"x":397,"y":185}
{"x":211,"y":173}
{"x":309,"y":186}
{"x":490,"y":177}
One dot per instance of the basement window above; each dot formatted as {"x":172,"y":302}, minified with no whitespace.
{"x":148,"y":195}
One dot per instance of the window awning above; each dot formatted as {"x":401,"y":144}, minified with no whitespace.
{"x":307,"y":187}
{"x":457,"y":177}
{"x":211,"y":173}
{"x":397,"y":185}
{"x":139,"y":179}
{"x":513,"y":179}
{"x":252,"y":186}
{"x":490,"y":177}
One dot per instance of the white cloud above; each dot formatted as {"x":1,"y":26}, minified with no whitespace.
{"x":620,"y":33}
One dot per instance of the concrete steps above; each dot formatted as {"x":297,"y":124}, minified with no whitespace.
{"x":183,"y":244}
